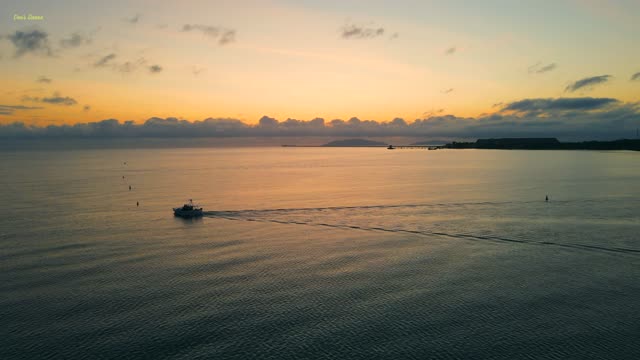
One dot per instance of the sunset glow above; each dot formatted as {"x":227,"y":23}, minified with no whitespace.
{"x":303,"y":59}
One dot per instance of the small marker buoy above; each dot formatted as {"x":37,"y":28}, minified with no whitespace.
{"x":129,"y":187}
{"x":546,"y":198}
{"x":137,"y":203}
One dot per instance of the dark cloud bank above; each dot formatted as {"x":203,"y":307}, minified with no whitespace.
{"x":565,"y":118}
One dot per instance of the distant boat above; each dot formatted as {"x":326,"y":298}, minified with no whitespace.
{"x":390,"y":147}
{"x":432,"y":148}
{"x":188,"y":210}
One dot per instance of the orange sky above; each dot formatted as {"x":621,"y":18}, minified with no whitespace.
{"x":293,"y":60}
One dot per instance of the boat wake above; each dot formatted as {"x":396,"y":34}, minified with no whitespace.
{"x":279,"y":216}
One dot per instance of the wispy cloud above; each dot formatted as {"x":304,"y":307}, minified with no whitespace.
{"x":547,"y":68}
{"x":30,"y":42}
{"x":428,"y":114}
{"x":74,"y":40}
{"x":635,"y":76}
{"x":446,"y":91}
{"x":105,"y":60}
{"x":587,"y":82}
{"x":134,"y":19}
{"x":539,"y":69}
{"x":108,"y":61}
{"x":10,"y":109}
{"x":222,"y":35}
{"x":195,"y":70}
{"x":55,"y":99}
{"x":352,"y":31}
{"x":547,"y":106}
{"x":130,"y":66}
{"x":44,"y":80}
{"x":450,"y":51}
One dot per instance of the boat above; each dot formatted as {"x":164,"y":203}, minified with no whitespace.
{"x":390,"y":147}
{"x":188,"y":210}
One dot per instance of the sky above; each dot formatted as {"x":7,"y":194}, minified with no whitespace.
{"x":436,"y":67}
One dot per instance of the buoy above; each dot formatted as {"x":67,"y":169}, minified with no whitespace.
{"x":129,"y":187}
{"x":546,"y":198}
{"x":137,"y":203}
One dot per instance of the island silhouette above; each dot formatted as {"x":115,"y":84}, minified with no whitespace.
{"x":545,"y":144}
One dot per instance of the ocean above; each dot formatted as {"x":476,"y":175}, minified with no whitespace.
{"x":320,"y":253}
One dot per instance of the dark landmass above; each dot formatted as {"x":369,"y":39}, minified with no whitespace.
{"x":428,"y":143}
{"x":545,"y":144}
{"x":354,"y":143}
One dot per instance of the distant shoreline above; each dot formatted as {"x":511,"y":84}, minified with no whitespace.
{"x":545,"y":144}
{"x":497,"y":144}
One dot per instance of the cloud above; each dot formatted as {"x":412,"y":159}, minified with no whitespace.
{"x":431,"y":113}
{"x":124,"y":67}
{"x":635,"y":76}
{"x":565,"y":118}
{"x":30,"y":42}
{"x":450,"y":51}
{"x":55,"y":99}
{"x":86,"y":108}
{"x":394,"y":36}
{"x":351,"y":31}
{"x":10,"y":109}
{"x":531,"y":69}
{"x":537,"y":69}
{"x":547,"y":68}
{"x":104,"y":61}
{"x":197,"y":70}
{"x":227,"y":37}
{"x":134,"y":19}
{"x":74,"y":40}
{"x":130,"y":66}
{"x":446,"y":91}
{"x":44,"y":80}
{"x":587,"y":82}
{"x":223,"y":35}
{"x":546,"y":106}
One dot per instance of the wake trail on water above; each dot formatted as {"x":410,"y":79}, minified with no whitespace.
{"x":364,"y":207}
{"x":258,"y":215}
{"x":394,"y":206}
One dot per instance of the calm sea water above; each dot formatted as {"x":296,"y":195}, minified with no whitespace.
{"x":320,"y":253}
